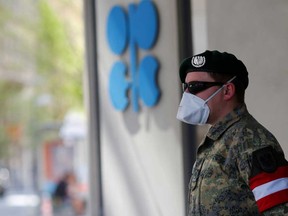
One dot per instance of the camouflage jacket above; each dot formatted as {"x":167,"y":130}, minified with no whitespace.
{"x":221,"y":177}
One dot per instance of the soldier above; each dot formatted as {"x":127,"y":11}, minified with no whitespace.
{"x":240,"y":168}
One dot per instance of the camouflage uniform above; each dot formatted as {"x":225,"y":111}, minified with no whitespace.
{"x":219,"y":184}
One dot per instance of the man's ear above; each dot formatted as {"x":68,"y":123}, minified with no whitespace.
{"x":229,"y":91}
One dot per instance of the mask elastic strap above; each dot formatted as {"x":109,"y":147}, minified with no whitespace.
{"x":219,"y":89}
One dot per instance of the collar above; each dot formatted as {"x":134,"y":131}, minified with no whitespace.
{"x":220,"y":127}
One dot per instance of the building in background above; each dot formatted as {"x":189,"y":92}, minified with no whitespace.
{"x":41,"y":70}
{"x":142,"y":157}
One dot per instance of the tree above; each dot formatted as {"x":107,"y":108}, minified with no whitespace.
{"x":41,"y":44}
{"x":59,"y":62}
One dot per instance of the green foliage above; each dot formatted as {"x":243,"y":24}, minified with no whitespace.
{"x":4,"y":16}
{"x":59,"y":62}
{"x":44,"y":40}
{"x":9,"y":109}
{"x":4,"y":143}
{"x":9,"y":92}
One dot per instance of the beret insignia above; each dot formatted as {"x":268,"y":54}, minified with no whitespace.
{"x":198,"y":61}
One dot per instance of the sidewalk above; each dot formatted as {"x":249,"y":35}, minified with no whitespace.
{"x":20,"y":203}
{"x":47,"y":208}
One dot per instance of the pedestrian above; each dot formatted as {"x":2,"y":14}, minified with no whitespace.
{"x":60,"y":194}
{"x":63,"y":195}
{"x":240,"y":168}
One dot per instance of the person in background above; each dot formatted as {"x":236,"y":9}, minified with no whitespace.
{"x":67,"y":197}
{"x":61,"y":195}
{"x":240,"y":168}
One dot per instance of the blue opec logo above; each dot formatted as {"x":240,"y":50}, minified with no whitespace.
{"x":136,"y":28}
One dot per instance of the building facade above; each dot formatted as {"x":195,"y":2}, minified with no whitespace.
{"x":140,"y":155}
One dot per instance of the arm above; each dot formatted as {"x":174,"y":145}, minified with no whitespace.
{"x":269,"y":180}
{"x":281,"y":209}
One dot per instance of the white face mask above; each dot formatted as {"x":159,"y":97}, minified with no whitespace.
{"x":194,"y":110}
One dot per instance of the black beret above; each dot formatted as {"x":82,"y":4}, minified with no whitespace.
{"x":215,"y":62}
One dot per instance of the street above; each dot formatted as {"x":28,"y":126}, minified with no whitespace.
{"x":20,"y":204}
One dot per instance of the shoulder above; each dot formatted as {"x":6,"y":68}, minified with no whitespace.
{"x":269,"y":178}
{"x":249,"y":135}
{"x":250,"y":140}
{"x":261,"y":163}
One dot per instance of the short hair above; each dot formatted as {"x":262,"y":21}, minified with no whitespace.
{"x":239,"y":87}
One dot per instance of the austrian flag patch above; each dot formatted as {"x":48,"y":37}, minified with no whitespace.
{"x":270,"y":189}
{"x":269,"y":180}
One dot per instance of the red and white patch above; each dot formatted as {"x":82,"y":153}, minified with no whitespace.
{"x":270,"y":189}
